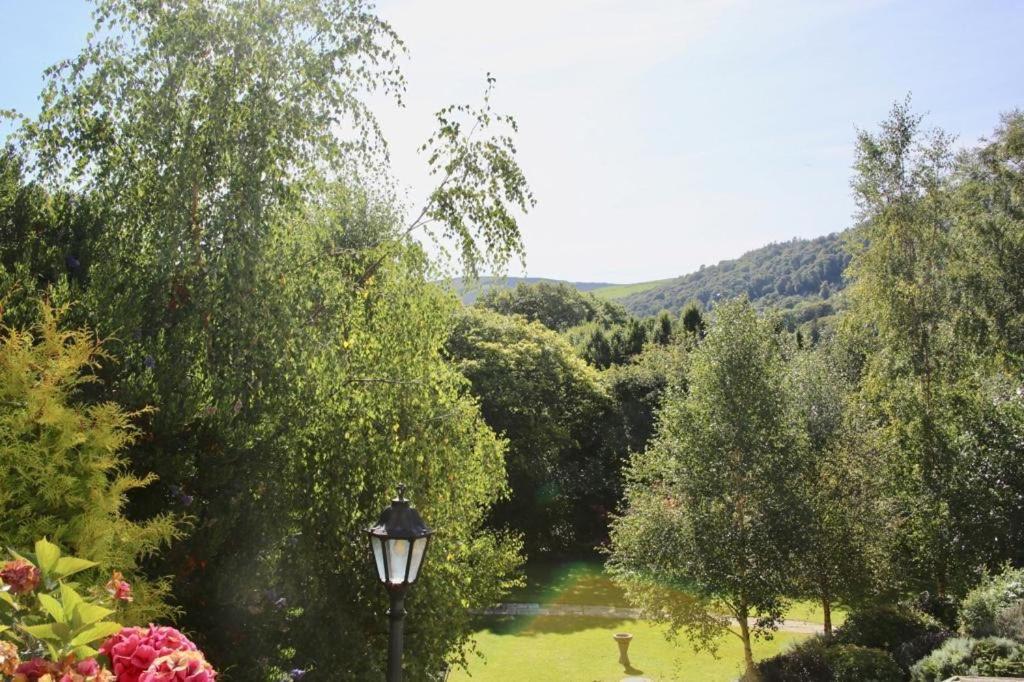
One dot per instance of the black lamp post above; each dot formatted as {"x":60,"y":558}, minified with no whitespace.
{"x":399,"y":542}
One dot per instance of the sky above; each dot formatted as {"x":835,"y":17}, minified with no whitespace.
{"x":658,"y":135}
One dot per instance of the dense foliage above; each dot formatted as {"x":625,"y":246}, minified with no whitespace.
{"x":536,"y":392}
{"x":207,"y":189}
{"x":989,"y":657}
{"x":993,"y":606}
{"x":556,"y":305}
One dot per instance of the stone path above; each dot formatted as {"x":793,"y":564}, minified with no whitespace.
{"x":619,"y":613}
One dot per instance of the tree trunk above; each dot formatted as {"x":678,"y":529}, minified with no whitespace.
{"x":826,"y":605}
{"x":748,"y":655}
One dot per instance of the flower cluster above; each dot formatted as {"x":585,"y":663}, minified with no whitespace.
{"x":181,"y":666}
{"x":41,"y":670}
{"x":156,"y":654}
{"x":119,"y":588}
{"x":54,"y":622}
{"x":19,"y":576}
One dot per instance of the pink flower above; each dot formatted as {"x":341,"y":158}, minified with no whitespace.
{"x":133,"y":650}
{"x":20,"y":576}
{"x":31,"y":671}
{"x":88,"y":670}
{"x":119,"y":588}
{"x":181,"y":666}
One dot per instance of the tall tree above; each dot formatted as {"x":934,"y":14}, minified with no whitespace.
{"x":989,"y":223}
{"x":536,"y":392}
{"x":925,"y":383}
{"x":271,"y":304}
{"x":841,"y":529}
{"x":713,"y":516}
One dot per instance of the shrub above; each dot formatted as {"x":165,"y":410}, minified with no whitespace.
{"x":984,"y":604}
{"x":942,"y":608}
{"x":815,"y":661}
{"x":62,"y":471}
{"x":886,"y":627}
{"x":909,"y":653}
{"x":995,"y":656}
{"x":852,"y":663}
{"x":1010,"y":622}
{"x":806,"y":662}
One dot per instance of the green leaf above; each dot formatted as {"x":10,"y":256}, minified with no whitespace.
{"x":83,"y":652}
{"x":9,"y":600}
{"x":69,"y":598}
{"x":86,"y":614}
{"x":96,"y":632}
{"x":43,"y":632}
{"x":47,"y":555}
{"x":70,"y":565}
{"x":53,"y":607}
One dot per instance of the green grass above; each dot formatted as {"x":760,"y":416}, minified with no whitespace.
{"x":581,"y":649}
{"x":578,"y":649}
{"x":584,"y":582}
{"x":617,"y":291}
{"x":569,"y":582}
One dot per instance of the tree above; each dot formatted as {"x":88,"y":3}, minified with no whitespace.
{"x":693,"y":319}
{"x":274,"y":309}
{"x":839,"y":490}
{"x":61,"y":472}
{"x":663,"y":329}
{"x":556,"y":305}
{"x":989,"y":223}
{"x":552,"y":408}
{"x":933,"y":391}
{"x":712,"y":518}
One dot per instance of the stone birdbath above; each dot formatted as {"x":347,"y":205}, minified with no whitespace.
{"x":623,"y":639}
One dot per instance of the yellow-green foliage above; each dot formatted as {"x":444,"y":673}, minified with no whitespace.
{"x":62,"y":474}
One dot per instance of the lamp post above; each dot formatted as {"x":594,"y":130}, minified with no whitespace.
{"x":399,"y":542}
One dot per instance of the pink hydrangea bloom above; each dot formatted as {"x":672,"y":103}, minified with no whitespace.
{"x":181,"y":666}
{"x":133,"y":650}
{"x":19,"y":576}
{"x":88,"y":670}
{"x":31,"y":671}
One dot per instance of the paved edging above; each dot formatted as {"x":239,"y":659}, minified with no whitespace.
{"x":618,"y":613}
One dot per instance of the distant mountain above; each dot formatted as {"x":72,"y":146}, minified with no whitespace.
{"x":798,"y":274}
{"x":470,"y":290}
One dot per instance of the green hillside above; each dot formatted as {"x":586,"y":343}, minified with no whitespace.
{"x":801,"y":275}
{"x":469,"y":291}
{"x":789,"y":275}
{"x":617,"y":292}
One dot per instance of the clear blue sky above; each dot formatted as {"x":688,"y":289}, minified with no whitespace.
{"x":660,"y":134}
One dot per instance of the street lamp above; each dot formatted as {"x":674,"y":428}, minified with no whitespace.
{"x":399,"y":542}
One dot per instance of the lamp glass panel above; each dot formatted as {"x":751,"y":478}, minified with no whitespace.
{"x":419,"y":545}
{"x":398,"y":557}
{"x":378,"y":556}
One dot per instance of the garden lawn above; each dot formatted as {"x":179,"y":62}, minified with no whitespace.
{"x":584,"y":582}
{"x":579,"y":649}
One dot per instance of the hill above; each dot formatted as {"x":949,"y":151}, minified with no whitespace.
{"x":469,"y":290}
{"x":617,"y":292}
{"x":801,"y":274}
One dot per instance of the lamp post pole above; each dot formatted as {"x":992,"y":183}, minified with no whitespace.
{"x":396,"y":636}
{"x":398,"y":543}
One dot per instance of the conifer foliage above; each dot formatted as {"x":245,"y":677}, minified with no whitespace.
{"x":62,"y":473}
